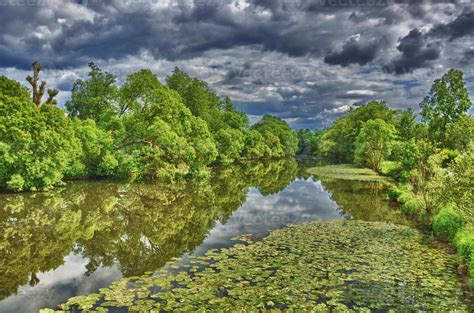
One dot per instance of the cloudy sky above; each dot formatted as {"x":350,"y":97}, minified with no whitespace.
{"x":307,"y":61}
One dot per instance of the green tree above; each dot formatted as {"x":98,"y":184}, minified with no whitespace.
{"x":94,"y":98}
{"x":97,"y":155}
{"x":230,"y":143}
{"x":338,"y":142}
{"x":288,"y":141}
{"x":454,"y":184}
{"x":447,"y":101}
{"x":255,"y":146}
{"x":37,"y":145}
{"x":406,"y":153}
{"x":12,"y":88}
{"x":223,"y":120}
{"x":162,"y":139}
{"x":406,"y":124}
{"x":195,"y":93}
{"x":373,"y":144}
{"x":461,"y":133}
{"x":308,"y":141}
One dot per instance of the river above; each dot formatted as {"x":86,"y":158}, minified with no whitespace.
{"x":84,"y":236}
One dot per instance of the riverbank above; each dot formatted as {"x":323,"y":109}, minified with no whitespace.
{"x":448,"y":225}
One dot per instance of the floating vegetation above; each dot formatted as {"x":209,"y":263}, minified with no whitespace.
{"x":337,"y":265}
{"x":347,"y":172}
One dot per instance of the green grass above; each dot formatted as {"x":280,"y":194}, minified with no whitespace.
{"x":347,"y":172}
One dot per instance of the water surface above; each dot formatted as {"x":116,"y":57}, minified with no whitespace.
{"x":77,"y":239}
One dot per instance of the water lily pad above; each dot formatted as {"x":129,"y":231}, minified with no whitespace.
{"x":338,"y":265}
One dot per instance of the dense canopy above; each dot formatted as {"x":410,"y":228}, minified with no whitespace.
{"x":140,"y":130}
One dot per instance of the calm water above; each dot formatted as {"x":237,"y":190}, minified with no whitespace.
{"x":86,"y":235}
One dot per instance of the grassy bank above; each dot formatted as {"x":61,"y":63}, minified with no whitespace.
{"x":450,"y":224}
{"x":339,"y":265}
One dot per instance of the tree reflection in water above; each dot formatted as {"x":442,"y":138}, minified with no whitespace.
{"x":140,"y":227}
{"x":137,"y":226}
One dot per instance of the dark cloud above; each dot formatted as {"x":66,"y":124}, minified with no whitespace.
{"x":354,"y":51}
{"x":415,"y":51}
{"x":288,"y":57}
{"x":462,"y":26}
{"x":468,"y":57}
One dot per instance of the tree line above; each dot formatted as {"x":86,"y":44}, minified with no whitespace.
{"x":413,"y":149}
{"x":430,"y":156}
{"x":141,"y":130}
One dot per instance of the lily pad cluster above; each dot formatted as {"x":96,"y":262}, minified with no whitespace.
{"x":319,"y":266}
{"x":348,"y":172}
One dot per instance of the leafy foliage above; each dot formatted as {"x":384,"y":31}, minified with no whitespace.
{"x":338,"y":142}
{"x":162,"y":139}
{"x":98,"y":155}
{"x":446,"y":103}
{"x":448,"y":222}
{"x":373,"y":143}
{"x":308,"y":141}
{"x":279,"y":136}
{"x":37,"y":145}
{"x":464,"y":244}
{"x":454,"y":184}
{"x":12,"y":88}
{"x":141,"y":130}
{"x":94,"y":98}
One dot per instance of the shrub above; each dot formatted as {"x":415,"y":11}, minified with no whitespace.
{"x":464,"y":244}
{"x":414,"y":204}
{"x":16,"y":183}
{"x":448,"y":222}
{"x":390,"y":168}
{"x":394,"y":193}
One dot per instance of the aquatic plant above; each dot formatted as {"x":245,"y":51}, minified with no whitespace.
{"x":338,"y":265}
{"x":347,"y":172}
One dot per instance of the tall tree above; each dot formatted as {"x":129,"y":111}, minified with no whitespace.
{"x":195,"y":93}
{"x":338,"y":142}
{"x":446,"y":102}
{"x":406,"y":124}
{"x":38,"y":88}
{"x":374,"y":143}
{"x":94,"y":98}
{"x":278,"y":135}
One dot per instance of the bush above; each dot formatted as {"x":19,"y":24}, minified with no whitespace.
{"x":464,"y":244}
{"x":448,"y":222}
{"x":16,"y":183}
{"x":394,"y":193}
{"x":413,"y":204}
{"x":404,"y":196}
{"x":391,"y":168}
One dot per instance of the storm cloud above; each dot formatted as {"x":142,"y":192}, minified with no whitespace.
{"x":307,"y":61}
